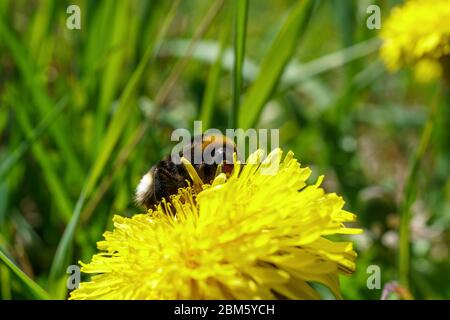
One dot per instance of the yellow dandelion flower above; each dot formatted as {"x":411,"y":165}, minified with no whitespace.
{"x":427,"y":70}
{"x":416,"y":31}
{"x":258,"y":234}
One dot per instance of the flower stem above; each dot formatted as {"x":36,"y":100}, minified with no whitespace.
{"x":409,"y":195}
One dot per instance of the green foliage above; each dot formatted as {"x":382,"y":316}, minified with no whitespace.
{"x":85,"y":113}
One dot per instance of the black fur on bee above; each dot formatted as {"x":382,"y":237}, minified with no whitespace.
{"x":166,"y":177}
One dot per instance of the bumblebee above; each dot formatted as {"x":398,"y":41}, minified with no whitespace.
{"x":166,"y":177}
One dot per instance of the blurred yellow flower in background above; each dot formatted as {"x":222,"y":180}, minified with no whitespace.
{"x":417,"y":34}
{"x":427,"y":70}
{"x":259,"y":234}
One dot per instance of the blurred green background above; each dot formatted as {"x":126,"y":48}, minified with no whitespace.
{"x":85,"y":113}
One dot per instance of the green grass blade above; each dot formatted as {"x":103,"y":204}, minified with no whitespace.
{"x":55,"y":185}
{"x":120,"y":40}
{"x":61,"y":258}
{"x":5,"y":281}
{"x":345,"y":18}
{"x":294,"y":73}
{"x":273,"y":64}
{"x":40,"y":25}
{"x":114,"y":131}
{"x":40,"y":97}
{"x":118,"y":122}
{"x":17,"y":154}
{"x":115,"y":128}
{"x":409,"y":197}
{"x":240,"y":33}
{"x":139,"y":132}
{"x":119,"y":33}
{"x":33,"y":288}
{"x":212,"y":86}
{"x":5,"y":9}
{"x":182,"y":64}
{"x":122,"y":113}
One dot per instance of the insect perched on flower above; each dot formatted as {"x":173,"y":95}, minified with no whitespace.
{"x":166,"y":177}
{"x":257,"y":233}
